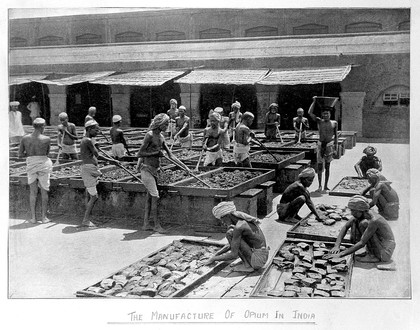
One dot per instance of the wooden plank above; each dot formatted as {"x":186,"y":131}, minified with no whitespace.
{"x":340,"y":190}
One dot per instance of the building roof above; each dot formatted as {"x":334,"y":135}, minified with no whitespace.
{"x":140,"y":78}
{"x":230,"y":77}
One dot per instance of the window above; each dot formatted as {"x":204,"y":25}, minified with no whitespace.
{"x":261,"y":31}
{"x":88,"y":38}
{"x":310,"y":29}
{"x":50,"y":41}
{"x":363,"y":27}
{"x":390,"y":98}
{"x":214,"y":34}
{"x":170,"y":35}
{"x":129,"y":36}
{"x":404,"y":26}
{"x":18,"y":42}
{"x":405,"y":99}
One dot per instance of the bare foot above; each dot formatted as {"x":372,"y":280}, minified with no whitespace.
{"x":291,"y":220}
{"x":160,"y":230}
{"x":88,"y":224}
{"x":326,"y":188}
{"x":147,"y":227}
{"x":32,"y":220}
{"x":319,"y":189}
{"x":243,"y":268}
{"x":387,"y":266}
{"x":367,"y":259}
{"x":46,"y":220}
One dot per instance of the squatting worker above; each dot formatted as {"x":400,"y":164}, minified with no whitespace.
{"x":148,"y":165}
{"x":367,"y":162}
{"x":245,"y":237}
{"x":16,"y":130}
{"x":372,"y":231}
{"x":383,"y":195}
{"x":182,"y":128}
{"x":242,"y":140}
{"x":327,"y":144}
{"x":35,"y":147}
{"x":295,"y":195}
{"x":89,"y":169}
{"x":212,"y":141}
{"x":119,"y":145}
{"x":66,"y":137}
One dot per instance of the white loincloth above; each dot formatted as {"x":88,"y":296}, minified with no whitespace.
{"x":39,"y":168}
{"x":118,"y":150}
{"x":240,"y":152}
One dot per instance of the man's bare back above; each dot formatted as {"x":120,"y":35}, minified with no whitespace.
{"x":251,"y":234}
{"x":34,"y":145}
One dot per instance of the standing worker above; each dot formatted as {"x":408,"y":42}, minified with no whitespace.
{"x":119,"y":145}
{"x":35,"y":147}
{"x":89,"y":169}
{"x":243,"y":137}
{"x":224,"y":125}
{"x":34,"y":108}
{"x":16,"y":131}
{"x":327,"y":144}
{"x":212,"y":141}
{"x":66,"y":137}
{"x":172,"y":113}
{"x":300,"y":125}
{"x":272,"y":121}
{"x":235,"y":117}
{"x":148,"y":165}
{"x":182,"y":128}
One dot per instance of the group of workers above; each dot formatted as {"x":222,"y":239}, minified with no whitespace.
{"x":245,"y":238}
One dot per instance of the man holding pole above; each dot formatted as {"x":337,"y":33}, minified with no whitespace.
{"x":66,"y":137}
{"x":182,"y":128}
{"x":89,"y":169}
{"x":148,"y":165}
{"x":117,"y":138}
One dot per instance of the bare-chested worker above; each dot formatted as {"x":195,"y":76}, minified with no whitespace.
{"x":89,"y":169}
{"x":243,"y":137}
{"x":327,"y":144}
{"x":182,"y":128}
{"x":35,"y":147}
{"x":300,"y":125}
{"x":245,"y":237}
{"x":235,"y":117}
{"x":66,"y":137}
{"x":119,"y":145}
{"x":212,"y":141}
{"x":172,"y":113}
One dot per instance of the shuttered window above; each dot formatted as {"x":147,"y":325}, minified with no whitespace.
{"x":170,"y":35}
{"x":50,"y":41}
{"x":129,"y":36}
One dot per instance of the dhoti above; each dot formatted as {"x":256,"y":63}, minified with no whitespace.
{"x":90,"y":175}
{"x":68,"y":149}
{"x":240,"y":152}
{"x":259,"y":257}
{"x":212,"y":157}
{"x":118,"y":150}
{"x":186,"y":142}
{"x":39,"y":168}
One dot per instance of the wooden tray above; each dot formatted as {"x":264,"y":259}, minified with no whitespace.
{"x":272,"y":282}
{"x":340,"y":190}
{"x":183,"y":188}
{"x":207,"y":272}
{"x":294,"y":157}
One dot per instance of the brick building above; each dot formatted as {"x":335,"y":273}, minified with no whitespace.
{"x":133,"y":63}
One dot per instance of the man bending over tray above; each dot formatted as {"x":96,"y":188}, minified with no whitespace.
{"x":148,"y":165}
{"x":295,"y":196}
{"x":245,"y":237}
{"x":371,"y":230}
{"x":367,"y":162}
{"x":35,"y":147}
{"x":383,"y":195}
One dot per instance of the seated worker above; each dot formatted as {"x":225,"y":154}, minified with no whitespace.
{"x":148,"y":164}
{"x":243,"y":137}
{"x":371,"y":230}
{"x":182,"y":128}
{"x":90,"y":172}
{"x":300,"y":125}
{"x":66,"y":137}
{"x":295,"y":195}
{"x":212,"y":140}
{"x":272,"y":121}
{"x":35,"y":147}
{"x":224,"y":125}
{"x":119,"y":145}
{"x":245,"y":237}
{"x":382,"y":194}
{"x":367,"y":162}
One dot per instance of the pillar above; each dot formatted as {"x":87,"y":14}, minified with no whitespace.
{"x":265,"y":96}
{"x":120,"y":96}
{"x":190,"y":98}
{"x":58,"y":102}
{"x":352,"y":111}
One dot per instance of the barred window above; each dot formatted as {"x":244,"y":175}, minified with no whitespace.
{"x":170,"y":35}
{"x":88,"y":38}
{"x":261,"y":31}
{"x":405,"y":99}
{"x":310,"y":29}
{"x":129,"y":36}
{"x":50,"y":41}
{"x":390,"y":98}
{"x":215,"y":34}
{"x":363,"y":27}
